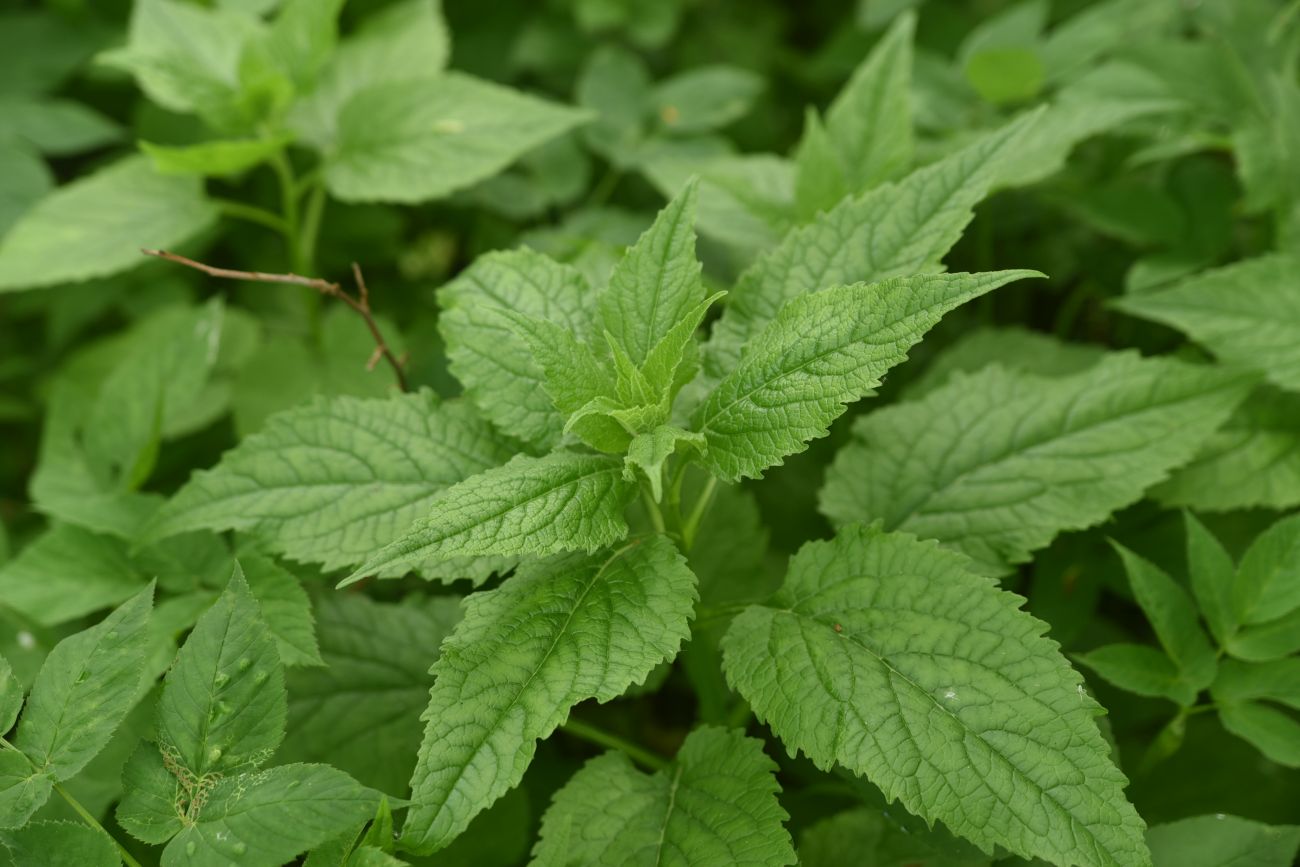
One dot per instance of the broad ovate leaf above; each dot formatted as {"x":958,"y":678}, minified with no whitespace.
{"x":887,"y":655}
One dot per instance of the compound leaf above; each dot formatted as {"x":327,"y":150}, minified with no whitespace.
{"x":557,"y":633}
{"x":888,"y":655}
{"x":714,"y":806}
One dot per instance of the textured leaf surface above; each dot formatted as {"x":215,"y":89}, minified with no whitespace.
{"x":1268,"y":577}
{"x":557,"y":633}
{"x":419,"y":139}
{"x":562,"y":502}
{"x":657,"y":282}
{"x":11,"y":695}
{"x":895,"y":229}
{"x":106,"y":217}
{"x":886,"y":655}
{"x":997,"y":463}
{"x":822,"y":351}
{"x":333,"y":481}
{"x":864,"y":835}
{"x":1215,"y":841}
{"x":285,"y":608}
{"x":85,"y":688}
{"x":489,"y":357}
{"x":360,"y":712}
{"x":1247,"y":314}
{"x":222,"y":708}
{"x":715,"y":805}
{"x":22,"y":789}
{"x":265,"y":819}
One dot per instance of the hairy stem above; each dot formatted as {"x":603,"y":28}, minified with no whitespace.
{"x":600,"y":737}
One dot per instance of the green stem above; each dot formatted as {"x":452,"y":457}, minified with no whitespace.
{"x":292,"y":233}
{"x":692,"y":525}
{"x":90,"y":820}
{"x":600,"y":737}
{"x":251,"y":213}
{"x":652,"y":509}
{"x":310,"y":229}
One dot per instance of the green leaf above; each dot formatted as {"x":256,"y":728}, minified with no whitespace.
{"x":488,"y":356}
{"x":705,"y":98}
{"x":58,"y":844}
{"x":996,"y":464}
{"x":820,"y":174}
{"x":863,"y":835}
{"x":266,"y":819}
{"x":1140,"y":669}
{"x":57,"y":127}
{"x":1212,"y":575}
{"x":1247,"y":314}
{"x":337,"y":479}
{"x":715,"y":805}
{"x":406,"y":40}
{"x":186,"y":58}
{"x":222,"y":709}
{"x":1269,"y":640}
{"x":895,"y":229}
{"x":66,"y":573}
{"x":887,"y":655}
{"x":301,"y":39}
{"x":1273,"y":732}
{"x":1252,"y":461}
{"x":746,"y":200}
{"x":96,"y":225}
{"x":1268,"y":577}
{"x":649,"y":451}
{"x":562,"y":502}
{"x":1173,"y":616}
{"x":657,"y":283}
{"x":557,"y":633}
{"x":23,"y":790}
{"x":1213,"y":841}
{"x":25,"y":181}
{"x":11,"y":696}
{"x":361,"y":711}
{"x":615,"y":85}
{"x":822,"y":351}
{"x":870,"y":121}
{"x":410,"y":141}
{"x":86,"y":687}
{"x":1013,"y":348}
{"x":1006,"y":75}
{"x":574,"y":377}
{"x":221,"y":157}
{"x":285,"y":607}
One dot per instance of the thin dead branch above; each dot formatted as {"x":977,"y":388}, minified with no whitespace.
{"x":360,"y":303}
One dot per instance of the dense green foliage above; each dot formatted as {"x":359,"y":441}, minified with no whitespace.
{"x":639,"y":432}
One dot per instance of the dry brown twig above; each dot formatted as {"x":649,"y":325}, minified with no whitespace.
{"x":361,"y":303}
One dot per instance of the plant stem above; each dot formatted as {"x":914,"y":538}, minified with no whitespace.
{"x":600,"y":737}
{"x":90,"y":820}
{"x":605,"y":187}
{"x":251,"y":213}
{"x":292,"y":232}
{"x":692,"y":525}
{"x":310,"y":229}
{"x":652,"y":509}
